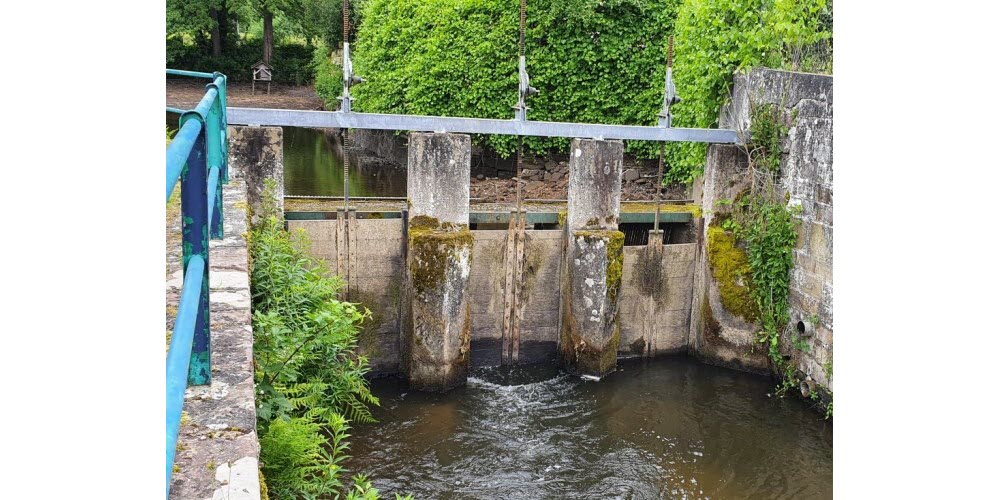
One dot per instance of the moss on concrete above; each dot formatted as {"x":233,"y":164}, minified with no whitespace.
{"x":731,"y":272}
{"x":711,"y":327}
{"x":616,"y":259}
{"x":432,"y":246}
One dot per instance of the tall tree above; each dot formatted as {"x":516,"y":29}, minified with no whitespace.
{"x":198,"y":17}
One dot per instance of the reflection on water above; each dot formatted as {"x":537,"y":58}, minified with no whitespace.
{"x":670,"y":428}
{"x":314,"y":166}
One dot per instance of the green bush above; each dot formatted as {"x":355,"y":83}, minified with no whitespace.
{"x":291,"y":61}
{"x":327,"y":76}
{"x":592,"y":61}
{"x":715,"y":38}
{"x":308,"y":377}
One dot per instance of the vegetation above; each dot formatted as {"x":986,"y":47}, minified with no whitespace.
{"x":756,"y":240}
{"x":714,"y":38}
{"x":231,"y":35}
{"x":310,"y":383}
{"x":596,"y":61}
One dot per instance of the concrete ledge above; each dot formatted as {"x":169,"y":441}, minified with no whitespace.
{"x":217,"y":450}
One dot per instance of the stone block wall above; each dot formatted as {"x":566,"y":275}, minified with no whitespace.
{"x":807,"y":178}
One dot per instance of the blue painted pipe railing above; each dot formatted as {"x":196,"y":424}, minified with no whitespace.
{"x":197,"y":157}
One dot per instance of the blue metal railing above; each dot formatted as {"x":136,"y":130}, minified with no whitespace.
{"x":198,"y":157}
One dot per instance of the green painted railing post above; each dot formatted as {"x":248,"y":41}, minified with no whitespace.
{"x":223,"y":92}
{"x":194,"y":229}
{"x":213,"y":139}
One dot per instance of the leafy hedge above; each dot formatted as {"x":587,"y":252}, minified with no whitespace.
{"x":291,"y":61}
{"x":714,"y":38}
{"x":592,"y":60}
{"x":327,"y":76}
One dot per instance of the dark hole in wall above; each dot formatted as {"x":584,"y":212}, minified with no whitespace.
{"x":637,"y":233}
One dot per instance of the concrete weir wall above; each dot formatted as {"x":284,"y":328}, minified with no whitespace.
{"x":807,"y":178}
{"x":577,"y":296}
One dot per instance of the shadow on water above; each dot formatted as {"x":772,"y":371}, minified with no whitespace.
{"x":668,"y":428}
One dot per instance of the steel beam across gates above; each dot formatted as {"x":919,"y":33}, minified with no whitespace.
{"x":338,"y":119}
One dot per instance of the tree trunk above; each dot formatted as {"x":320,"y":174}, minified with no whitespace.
{"x":268,"y":35}
{"x":223,"y":26}
{"x":216,"y":33}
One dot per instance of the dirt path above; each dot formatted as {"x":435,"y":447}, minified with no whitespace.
{"x":185,"y":94}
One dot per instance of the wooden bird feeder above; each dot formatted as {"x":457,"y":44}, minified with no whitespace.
{"x":261,"y":72}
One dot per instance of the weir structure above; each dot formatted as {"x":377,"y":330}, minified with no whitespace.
{"x":454,"y":284}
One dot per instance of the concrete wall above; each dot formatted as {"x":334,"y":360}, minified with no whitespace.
{"x":221,"y":423}
{"x":807,"y":178}
{"x":654,"y":313}
{"x":376,"y":270}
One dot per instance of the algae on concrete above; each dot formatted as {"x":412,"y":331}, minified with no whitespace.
{"x":731,"y":271}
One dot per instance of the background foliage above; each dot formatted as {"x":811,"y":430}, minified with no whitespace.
{"x":299,"y":26}
{"x":592,"y":60}
{"x":714,"y":38}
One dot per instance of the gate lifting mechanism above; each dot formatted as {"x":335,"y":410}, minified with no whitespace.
{"x":345,"y":118}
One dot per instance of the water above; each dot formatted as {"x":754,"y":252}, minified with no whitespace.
{"x":314,"y":165}
{"x":670,"y":428}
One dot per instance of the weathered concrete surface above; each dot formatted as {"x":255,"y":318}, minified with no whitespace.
{"x":377,"y":280}
{"x":486,"y":296}
{"x":590,"y":334}
{"x":589,"y":330}
{"x":539,"y":319}
{"x":437,"y":178}
{"x":716,"y":335}
{"x":655,"y":299}
{"x":257,"y":153}
{"x":217,"y":448}
{"x":439,"y":251}
{"x":807,"y":178}
{"x":595,"y":184}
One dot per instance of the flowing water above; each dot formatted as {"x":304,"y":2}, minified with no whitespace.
{"x":669,"y":428}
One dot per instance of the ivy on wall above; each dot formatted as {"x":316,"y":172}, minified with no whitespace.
{"x":715,"y":38}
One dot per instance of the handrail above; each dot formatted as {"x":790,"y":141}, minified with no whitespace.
{"x":198,"y":159}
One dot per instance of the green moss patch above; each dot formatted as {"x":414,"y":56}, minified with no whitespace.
{"x":732,"y":273}
{"x":431,"y":249}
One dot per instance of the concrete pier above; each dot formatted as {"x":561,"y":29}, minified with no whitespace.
{"x":257,"y":153}
{"x":590,"y":334}
{"x":437,"y":338}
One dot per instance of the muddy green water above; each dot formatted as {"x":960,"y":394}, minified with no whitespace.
{"x":670,"y":428}
{"x":314,"y":166}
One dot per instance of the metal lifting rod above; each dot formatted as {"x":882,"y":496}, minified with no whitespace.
{"x":670,"y":98}
{"x":345,"y":100}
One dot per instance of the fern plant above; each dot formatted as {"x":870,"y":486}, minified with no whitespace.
{"x":310,"y":382}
